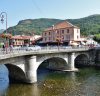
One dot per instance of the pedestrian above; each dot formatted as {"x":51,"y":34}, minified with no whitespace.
{"x":11,"y":48}
{"x":3,"y":47}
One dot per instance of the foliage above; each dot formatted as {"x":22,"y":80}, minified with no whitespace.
{"x":88,"y":25}
{"x":30,"y":26}
{"x":97,"y":38}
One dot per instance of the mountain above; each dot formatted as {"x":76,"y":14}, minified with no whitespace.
{"x":88,"y":25}
{"x":30,"y":26}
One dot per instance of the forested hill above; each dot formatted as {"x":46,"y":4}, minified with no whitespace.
{"x":30,"y":26}
{"x":88,"y":25}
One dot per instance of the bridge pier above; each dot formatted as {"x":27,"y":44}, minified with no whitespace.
{"x":31,"y":69}
{"x":71,"y":62}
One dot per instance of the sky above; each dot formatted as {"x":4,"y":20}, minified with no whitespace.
{"x":60,"y":9}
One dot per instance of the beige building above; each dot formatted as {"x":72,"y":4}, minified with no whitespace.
{"x":63,"y":32}
{"x":19,"y":40}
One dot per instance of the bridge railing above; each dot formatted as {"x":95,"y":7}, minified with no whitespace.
{"x":63,"y":48}
{"x":42,"y":49}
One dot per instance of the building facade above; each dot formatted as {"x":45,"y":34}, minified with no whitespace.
{"x":19,"y":40}
{"x":63,"y":32}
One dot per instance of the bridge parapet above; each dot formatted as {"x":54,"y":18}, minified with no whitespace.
{"x":15,"y":53}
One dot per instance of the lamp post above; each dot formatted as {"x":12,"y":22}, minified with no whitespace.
{"x":2,"y":21}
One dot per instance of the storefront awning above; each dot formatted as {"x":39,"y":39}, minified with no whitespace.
{"x":74,"y":44}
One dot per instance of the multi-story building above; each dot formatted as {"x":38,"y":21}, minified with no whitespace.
{"x":63,"y":32}
{"x":19,"y":40}
{"x":22,"y":40}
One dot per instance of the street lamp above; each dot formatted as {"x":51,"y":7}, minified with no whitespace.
{"x":2,"y":21}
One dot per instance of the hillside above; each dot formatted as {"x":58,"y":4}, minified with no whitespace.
{"x":88,"y":25}
{"x":30,"y":26}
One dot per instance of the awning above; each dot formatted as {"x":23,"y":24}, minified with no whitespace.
{"x":83,"y":43}
{"x":75,"y":44}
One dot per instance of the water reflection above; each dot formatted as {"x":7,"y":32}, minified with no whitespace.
{"x":35,"y":90}
{"x":4,"y":80}
{"x":3,"y":87}
{"x":86,"y":82}
{"x":82,"y":83}
{"x":23,"y":90}
{"x":72,"y":75}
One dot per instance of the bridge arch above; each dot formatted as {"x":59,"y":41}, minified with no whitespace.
{"x":16,"y":74}
{"x":81,"y":59}
{"x":54,"y":63}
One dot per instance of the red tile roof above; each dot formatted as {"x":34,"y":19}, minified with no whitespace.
{"x":64,"y":24}
{"x":21,"y":37}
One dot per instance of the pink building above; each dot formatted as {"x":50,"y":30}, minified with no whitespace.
{"x":63,"y":32}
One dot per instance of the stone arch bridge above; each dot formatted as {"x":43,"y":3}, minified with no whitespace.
{"x":23,"y":65}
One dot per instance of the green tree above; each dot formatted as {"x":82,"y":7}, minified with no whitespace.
{"x":97,"y":38}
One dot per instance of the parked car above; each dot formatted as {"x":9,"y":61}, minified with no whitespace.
{"x":37,"y":47}
{"x":97,"y":46}
{"x":30,"y":48}
{"x":16,"y":48}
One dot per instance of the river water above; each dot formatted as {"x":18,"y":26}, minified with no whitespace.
{"x":86,"y":82}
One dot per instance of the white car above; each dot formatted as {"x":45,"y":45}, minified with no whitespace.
{"x":17,"y":48}
{"x":30,"y":48}
{"x":37,"y":47}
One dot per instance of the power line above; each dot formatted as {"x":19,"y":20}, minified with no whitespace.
{"x":36,"y":5}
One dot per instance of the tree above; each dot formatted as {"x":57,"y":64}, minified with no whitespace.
{"x":97,"y":38}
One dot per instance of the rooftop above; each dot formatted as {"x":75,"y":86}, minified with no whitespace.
{"x":61,"y":25}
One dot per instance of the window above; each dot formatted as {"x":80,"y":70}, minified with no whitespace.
{"x":45,"y":33}
{"x":45,"y":39}
{"x":77,"y":37}
{"x":49,"y":33}
{"x":62,"y":38}
{"x":67,"y":30}
{"x":62,"y":31}
{"x":57,"y":36}
{"x":57,"y":32}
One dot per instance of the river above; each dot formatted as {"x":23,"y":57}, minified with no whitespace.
{"x":86,"y":82}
